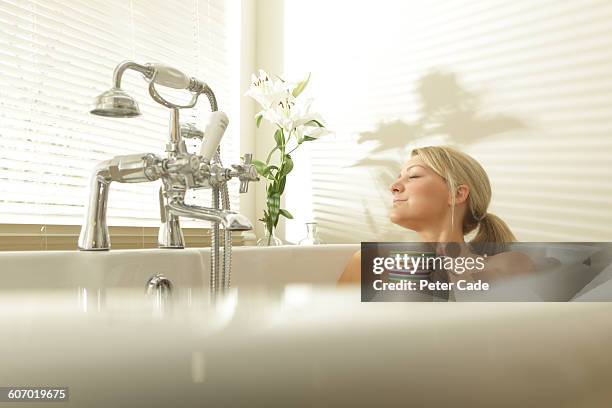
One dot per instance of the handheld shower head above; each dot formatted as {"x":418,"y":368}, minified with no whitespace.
{"x":116,"y":103}
{"x":212,"y":134}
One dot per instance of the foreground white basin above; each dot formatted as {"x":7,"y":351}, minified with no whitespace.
{"x":284,"y":336}
{"x":307,"y":345}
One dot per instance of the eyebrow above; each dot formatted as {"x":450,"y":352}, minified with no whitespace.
{"x":415,"y":165}
{"x":408,"y":168}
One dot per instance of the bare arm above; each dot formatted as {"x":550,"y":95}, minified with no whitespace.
{"x":503,"y":265}
{"x":352,"y":271}
{"x":509,"y":264}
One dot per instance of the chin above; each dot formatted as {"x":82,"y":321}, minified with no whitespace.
{"x":400,"y":220}
{"x":394,"y":217}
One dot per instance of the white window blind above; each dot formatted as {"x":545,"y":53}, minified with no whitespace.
{"x":523,"y":86}
{"x":57,"y":56}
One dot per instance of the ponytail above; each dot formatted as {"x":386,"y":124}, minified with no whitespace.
{"x":493,"y":232}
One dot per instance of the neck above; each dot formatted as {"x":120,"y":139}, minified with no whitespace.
{"x":442,"y":232}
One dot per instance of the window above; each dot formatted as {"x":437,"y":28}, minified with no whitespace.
{"x":57,"y":56}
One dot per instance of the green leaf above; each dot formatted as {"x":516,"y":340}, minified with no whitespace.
{"x":286,"y":214}
{"x":281,"y":185}
{"x":287,"y":166}
{"x":315,"y":122}
{"x":274,"y":202}
{"x":274,"y":206}
{"x":270,"y":154}
{"x":258,"y":120}
{"x":279,"y":138}
{"x":309,"y":138}
{"x":265,"y":217}
{"x":300,"y":86}
{"x":269,"y":174}
{"x":260,"y":167}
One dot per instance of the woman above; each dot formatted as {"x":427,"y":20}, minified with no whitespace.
{"x":443,"y":194}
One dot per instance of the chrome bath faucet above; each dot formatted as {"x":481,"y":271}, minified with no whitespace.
{"x":179,"y":170}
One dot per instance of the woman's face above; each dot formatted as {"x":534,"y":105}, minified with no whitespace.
{"x":420,"y":196}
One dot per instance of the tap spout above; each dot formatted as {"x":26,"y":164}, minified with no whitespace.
{"x":231,"y":220}
{"x":135,"y":168}
{"x":94,"y":234}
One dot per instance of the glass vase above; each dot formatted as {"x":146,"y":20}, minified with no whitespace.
{"x":269,"y":239}
{"x":312,"y":236}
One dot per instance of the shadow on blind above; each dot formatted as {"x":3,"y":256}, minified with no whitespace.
{"x":524,"y":87}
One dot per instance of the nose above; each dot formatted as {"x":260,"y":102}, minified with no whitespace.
{"x":396,"y":187}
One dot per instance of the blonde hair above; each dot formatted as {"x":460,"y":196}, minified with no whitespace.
{"x":459,"y":168}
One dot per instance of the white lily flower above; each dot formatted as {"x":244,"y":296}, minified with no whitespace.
{"x":311,"y":131}
{"x":300,"y":112}
{"x":267,"y":91}
{"x":281,"y":106}
{"x":292,"y":113}
{"x":272,"y":116}
{"x":317,"y":132}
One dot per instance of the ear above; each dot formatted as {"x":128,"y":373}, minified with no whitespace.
{"x":463,"y":191}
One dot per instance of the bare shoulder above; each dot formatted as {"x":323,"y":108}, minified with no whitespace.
{"x":510,"y":263}
{"x":352,"y":271}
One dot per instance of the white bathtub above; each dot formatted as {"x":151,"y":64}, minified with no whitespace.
{"x":283,"y":337}
{"x":185,"y":268}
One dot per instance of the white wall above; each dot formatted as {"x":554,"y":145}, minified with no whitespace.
{"x":247,"y":12}
{"x":525,"y":87}
{"x":262,"y":36}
